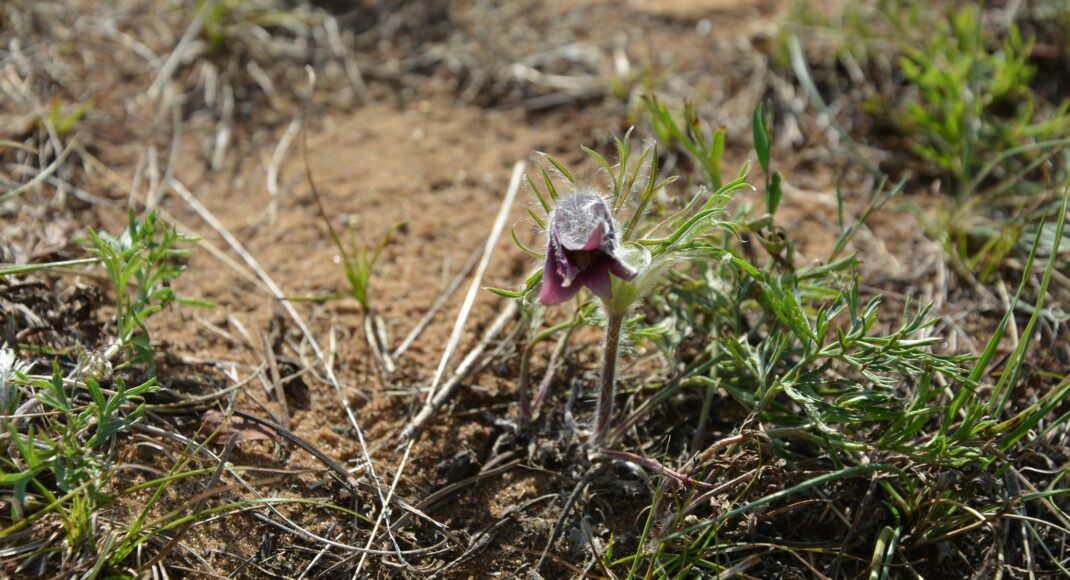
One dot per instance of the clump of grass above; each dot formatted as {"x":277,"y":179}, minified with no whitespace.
{"x":830,"y":394}
{"x":802,"y":354}
{"x":60,"y":465}
{"x":359,"y":263}
{"x":972,"y":102}
{"x":225,"y":20}
{"x":961,"y":97}
{"x":63,"y":427}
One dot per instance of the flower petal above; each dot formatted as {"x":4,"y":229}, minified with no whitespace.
{"x":596,"y":239}
{"x":553,"y":289}
{"x":566,"y":268}
{"x":629,"y":260}
{"x":596,"y":277}
{"x":621,"y":270}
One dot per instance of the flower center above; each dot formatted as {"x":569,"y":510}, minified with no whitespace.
{"x":582,"y":258}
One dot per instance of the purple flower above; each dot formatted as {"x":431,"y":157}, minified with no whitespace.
{"x":583,"y":250}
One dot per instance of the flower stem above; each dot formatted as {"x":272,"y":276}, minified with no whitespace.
{"x":604,"y":411}
{"x":524,"y":400}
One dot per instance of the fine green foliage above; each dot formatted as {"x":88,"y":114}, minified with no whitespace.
{"x":63,"y":427}
{"x":761,"y":123}
{"x":141,"y":264}
{"x":960,"y":91}
{"x":825,"y":379}
{"x":707,"y":151}
{"x":225,"y":20}
{"x":973,"y":101}
{"x":359,"y":265}
{"x":60,"y":464}
{"x":65,"y":123}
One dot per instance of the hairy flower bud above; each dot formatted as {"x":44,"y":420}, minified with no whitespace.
{"x":583,"y":250}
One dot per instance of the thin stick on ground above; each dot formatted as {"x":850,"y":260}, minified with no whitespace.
{"x":276,"y":381}
{"x":376,"y":341}
{"x":277,"y":292}
{"x":573,"y":497}
{"x":428,"y":503}
{"x":223,"y":458}
{"x":43,"y":175}
{"x":551,"y":369}
{"x":163,"y":78}
{"x":322,"y":551}
{"x":418,"y":423}
{"x":443,"y":298}
{"x":277,"y":158}
{"x":653,"y":465}
{"x":455,"y":337}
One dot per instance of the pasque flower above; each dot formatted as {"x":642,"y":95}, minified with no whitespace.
{"x":583,"y":250}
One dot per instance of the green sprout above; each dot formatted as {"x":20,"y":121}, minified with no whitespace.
{"x":141,"y":264}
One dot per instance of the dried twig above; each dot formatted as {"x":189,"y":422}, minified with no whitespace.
{"x":651,"y":464}
{"x":43,"y":175}
{"x":443,"y":298}
{"x":276,"y":381}
{"x":163,"y":77}
{"x":418,"y":423}
{"x":573,"y":497}
{"x":455,"y":336}
{"x":198,"y":207}
{"x":551,"y":369}
{"x":277,"y":157}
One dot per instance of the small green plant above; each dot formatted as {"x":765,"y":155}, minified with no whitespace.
{"x":359,"y":264}
{"x":61,"y":464}
{"x":972,"y":103}
{"x":62,"y":428}
{"x":961,"y":93}
{"x":65,"y":123}
{"x":618,"y":261}
{"x":706,"y":151}
{"x":971,"y":112}
{"x":223,"y":20}
{"x":141,"y":264}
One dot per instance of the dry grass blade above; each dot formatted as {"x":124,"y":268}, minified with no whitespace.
{"x":201,"y":210}
{"x":212,"y":482}
{"x":277,"y":158}
{"x":167,"y":71}
{"x":42,"y":176}
{"x":462,"y":316}
{"x":653,"y":465}
{"x":443,"y":298}
{"x":573,"y":497}
{"x":276,"y":381}
{"x":455,"y":335}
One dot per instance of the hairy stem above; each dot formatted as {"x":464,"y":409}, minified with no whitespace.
{"x":606,"y":391}
{"x":522,"y":391}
